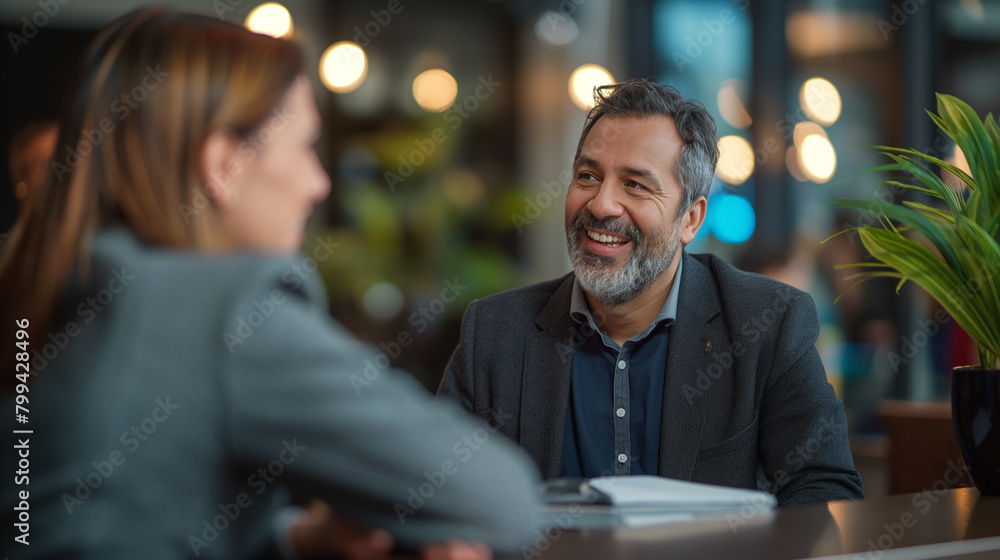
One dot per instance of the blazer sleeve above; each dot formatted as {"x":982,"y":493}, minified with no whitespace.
{"x":458,"y":384}
{"x":366,"y":438}
{"x":803,"y":441}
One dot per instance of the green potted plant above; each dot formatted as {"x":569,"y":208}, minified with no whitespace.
{"x":950,"y":249}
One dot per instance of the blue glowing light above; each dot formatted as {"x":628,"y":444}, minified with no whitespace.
{"x":731,"y":218}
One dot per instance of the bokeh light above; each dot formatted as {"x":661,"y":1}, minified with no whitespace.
{"x":804,"y":129}
{"x":463,"y":188}
{"x":435,"y":90}
{"x":583,"y":81}
{"x":732,"y":219}
{"x":555,"y":29}
{"x":383,"y":301}
{"x":820,"y":101}
{"x":792,"y":163}
{"x":736,"y":162}
{"x":343,"y":67}
{"x":731,"y":100}
{"x":817,"y":159}
{"x":270,"y":18}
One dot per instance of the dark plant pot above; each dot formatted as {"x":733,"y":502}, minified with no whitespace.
{"x":975,"y":411}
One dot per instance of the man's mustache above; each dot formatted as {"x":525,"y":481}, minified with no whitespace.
{"x":585,"y":220}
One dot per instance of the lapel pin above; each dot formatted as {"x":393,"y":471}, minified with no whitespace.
{"x":708,"y":344}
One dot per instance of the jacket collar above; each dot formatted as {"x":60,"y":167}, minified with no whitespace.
{"x":545,"y":379}
{"x":697,"y":340}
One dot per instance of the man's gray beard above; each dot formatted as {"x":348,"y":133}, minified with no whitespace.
{"x":616,"y":288}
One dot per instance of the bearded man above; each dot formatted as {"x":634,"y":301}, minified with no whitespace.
{"x":646,"y":359}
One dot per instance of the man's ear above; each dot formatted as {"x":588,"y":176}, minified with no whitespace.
{"x":693,"y":219}
{"x":219,"y":165}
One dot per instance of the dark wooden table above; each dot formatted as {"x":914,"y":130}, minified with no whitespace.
{"x":944,"y":523}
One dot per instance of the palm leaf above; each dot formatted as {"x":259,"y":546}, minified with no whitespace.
{"x":931,"y":181}
{"x":960,"y":173}
{"x":935,"y":214}
{"x":955,"y":257}
{"x":965,"y":128}
{"x":933,"y":232}
{"x":916,"y":263}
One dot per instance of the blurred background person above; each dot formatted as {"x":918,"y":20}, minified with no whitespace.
{"x":185,"y":373}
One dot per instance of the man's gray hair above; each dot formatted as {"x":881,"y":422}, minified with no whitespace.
{"x":696,"y":127}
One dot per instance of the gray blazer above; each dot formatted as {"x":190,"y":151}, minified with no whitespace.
{"x":191,"y":394}
{"x":745,"y":403}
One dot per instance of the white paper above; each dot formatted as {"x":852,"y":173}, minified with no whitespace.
{"x":641,"y":492}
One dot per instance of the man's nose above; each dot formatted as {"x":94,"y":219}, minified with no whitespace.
{"x":605,"y":203}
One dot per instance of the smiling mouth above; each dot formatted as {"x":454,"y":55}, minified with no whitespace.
{"x":607,"y":239}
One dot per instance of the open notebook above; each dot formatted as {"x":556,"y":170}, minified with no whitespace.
{"x":644,"y":500}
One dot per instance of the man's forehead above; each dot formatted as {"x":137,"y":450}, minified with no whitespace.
{"x":627,"y":140}
{"x":611,"y":127}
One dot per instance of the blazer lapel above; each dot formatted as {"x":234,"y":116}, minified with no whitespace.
{"x":548,"y":359}
{"x":697,"y":336}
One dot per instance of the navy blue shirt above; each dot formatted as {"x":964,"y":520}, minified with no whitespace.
{"x":616,"y":395}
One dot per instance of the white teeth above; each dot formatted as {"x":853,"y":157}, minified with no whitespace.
{"x":605,"y":238}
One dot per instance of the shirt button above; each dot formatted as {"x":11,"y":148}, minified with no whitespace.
{"x":621,"y":364}
{"x":620,"y":412}
{"x":622,"y":458}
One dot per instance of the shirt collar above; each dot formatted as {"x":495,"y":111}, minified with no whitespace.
{"x":579,"y":311}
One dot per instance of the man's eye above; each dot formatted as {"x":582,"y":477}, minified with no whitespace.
{"x":634,"y":185}
{"x":586,"y":176}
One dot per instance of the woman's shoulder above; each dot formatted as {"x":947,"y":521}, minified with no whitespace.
{"x":180,"y":277}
